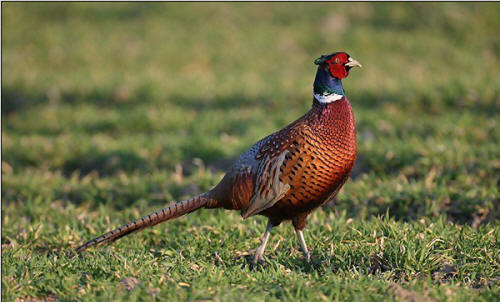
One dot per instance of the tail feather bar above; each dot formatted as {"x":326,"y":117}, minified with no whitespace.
{"x":170,"y":212}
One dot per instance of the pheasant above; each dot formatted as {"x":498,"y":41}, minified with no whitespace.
{"x":286,"y":175}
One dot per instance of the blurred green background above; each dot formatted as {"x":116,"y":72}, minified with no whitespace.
{"x":116,"y":108}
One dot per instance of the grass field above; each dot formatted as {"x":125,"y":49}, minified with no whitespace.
{"x":111,"y":111}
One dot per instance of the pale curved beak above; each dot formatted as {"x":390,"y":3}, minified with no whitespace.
{"x":353,"y":63}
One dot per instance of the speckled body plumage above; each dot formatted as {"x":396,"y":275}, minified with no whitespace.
{"x":321,"y":151}
{"x":287,"y":174}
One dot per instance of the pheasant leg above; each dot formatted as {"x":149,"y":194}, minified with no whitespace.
{"x":303,"y":244}
{"x":259,"y":254}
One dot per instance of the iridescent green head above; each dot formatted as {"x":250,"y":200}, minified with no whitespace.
{"x":337,"y":64}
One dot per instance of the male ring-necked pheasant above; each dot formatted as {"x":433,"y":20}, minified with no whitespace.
{"x":287,"y":174}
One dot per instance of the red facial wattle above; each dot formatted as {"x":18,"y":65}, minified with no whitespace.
{"x":336,"y":66}
{"x":338,"y":71}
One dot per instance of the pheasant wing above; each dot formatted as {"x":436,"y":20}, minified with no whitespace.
{"x":270,"y":185}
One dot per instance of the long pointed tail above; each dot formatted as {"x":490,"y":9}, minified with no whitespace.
{"x":172,"y":211}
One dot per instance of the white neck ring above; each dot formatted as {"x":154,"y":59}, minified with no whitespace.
{"x":327,"y":98}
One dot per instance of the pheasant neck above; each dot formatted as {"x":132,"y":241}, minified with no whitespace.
{"x":327,"y":89}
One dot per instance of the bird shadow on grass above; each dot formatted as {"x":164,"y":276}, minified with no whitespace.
{"x":106,"y":163}
{"x":96,"y":165}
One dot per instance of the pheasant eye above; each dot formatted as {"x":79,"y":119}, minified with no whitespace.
{"x":337,"y":60}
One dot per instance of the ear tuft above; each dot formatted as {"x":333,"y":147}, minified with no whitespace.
{"x":321,"y":60}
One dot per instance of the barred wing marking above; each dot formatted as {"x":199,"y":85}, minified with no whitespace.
{"x":269,"y":189}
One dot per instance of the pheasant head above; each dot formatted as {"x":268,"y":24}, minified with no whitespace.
{"x":332,"y":68}
{"x":337,"y":64}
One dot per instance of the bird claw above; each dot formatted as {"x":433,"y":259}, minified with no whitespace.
{"x":252,"y":258}
{"x":307,"y":256}
{"x":259,"y":260}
